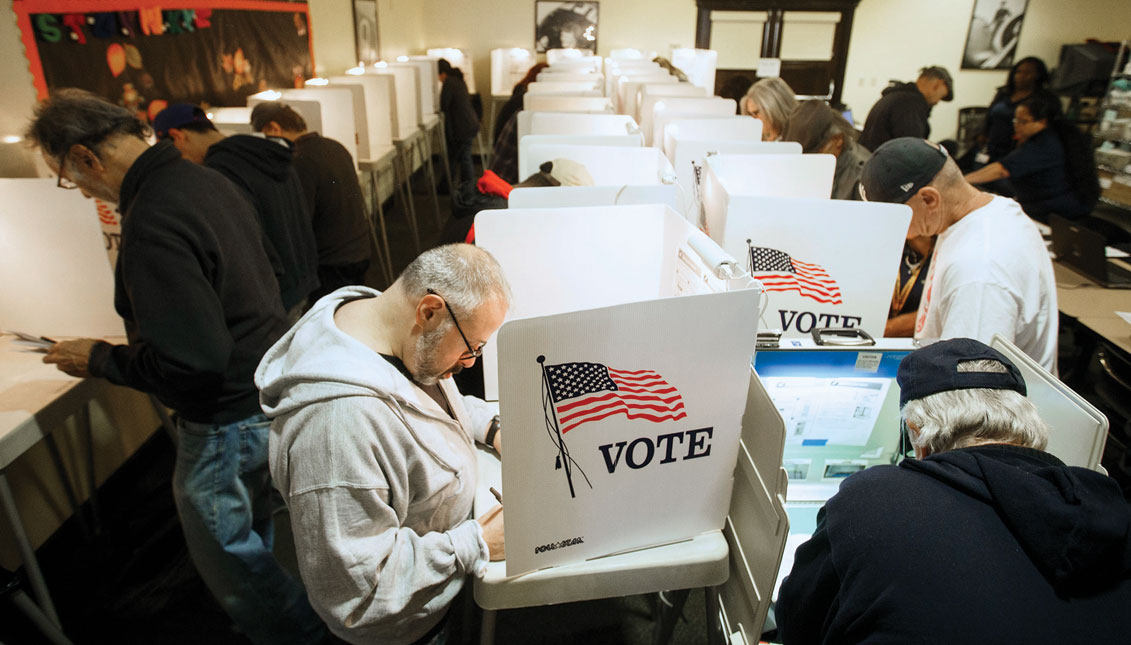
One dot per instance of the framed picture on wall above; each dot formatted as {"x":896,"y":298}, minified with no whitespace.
{"x":569,"y":25}
{"x":365,"y":31}
{"x":995,"y":28}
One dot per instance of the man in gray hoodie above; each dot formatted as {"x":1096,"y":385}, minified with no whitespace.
{"x":373,"y":447}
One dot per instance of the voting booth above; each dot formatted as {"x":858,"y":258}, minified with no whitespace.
{"x":231,"y":120}
{"x":576,"y":59}
{"x":689,"y":157}
{"x":552,"y":103}
{"x":590,"y":309}
{"x":727,"y":128}
{"x":425,"y":97}
{"x":647,"y":94}
{"x":628,"y":85}
{"x":533,"y":148}
{"x":566,"y":88}
{"x":407,"y":116}
{"x":547,"y":75}
{"x":574,"y":123}
{"x":608,"y":165}
{"x":42,"y":226}
{"x":671,"y":108}
{"x":360,"y":113}
{"x":571,"y":196}
{"x":508,"y":66}
{"x":336,"y":111}
{"x":698,"y":64}
{"x":380,"y":108}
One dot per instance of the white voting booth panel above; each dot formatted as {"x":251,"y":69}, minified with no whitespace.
{"x":460,"y":60}
{"x":360,"y":112}
{"x":566,"y":88}
{"x":429,"y":67}
{"x":424,"y":104}
{"x":609,"y":165}
{"x":569,"y":77}
{"x":574,"y":123}
{"x":569,"y":196}
{"x":698,"y":64}
{"x":231,"y":120}
{"x":552,"y":103}
{"x":628,"y":85}
{"x":508,"y":66}
{"x":57,"y":278}
{"x":1077,"y":430}
{"x":672,"y":108}
{"x":528,"y":163}
{"x":689,"y":154}
{"x":311,"y":111}
{"x":337,"y":111}
{"x":380,"y":106}
{"x":573,"y":59}
{"x":725,"y":128}
{"x":407,"y":120}
{"x":709,"y":369}
{"x":647,"y":94}
{"x":824,"y":263}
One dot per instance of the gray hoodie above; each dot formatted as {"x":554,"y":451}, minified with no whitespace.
{"x":378,"y":478}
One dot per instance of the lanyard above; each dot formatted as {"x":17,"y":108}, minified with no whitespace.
{"x":903,"y":289}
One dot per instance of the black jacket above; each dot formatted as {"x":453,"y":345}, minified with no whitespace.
{"x":262,"y":167}
{"x":462,"y":123}
{"x":992,"y":544}
{"x":334,"y":200}
{"x":195,"y":289}
{"x":902,"y":111}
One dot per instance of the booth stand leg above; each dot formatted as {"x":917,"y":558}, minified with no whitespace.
{"x":487,"y":628}
{"x":669,"y":607}
{"x":377,"y":212}
{"x":426,"y":153}
{"x":31,"y":565}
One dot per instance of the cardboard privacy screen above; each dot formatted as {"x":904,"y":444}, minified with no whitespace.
{"x":622,"y":424}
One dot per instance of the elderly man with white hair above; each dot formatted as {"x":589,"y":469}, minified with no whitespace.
{"x":983,"y":538}
{"x":372,"y":446}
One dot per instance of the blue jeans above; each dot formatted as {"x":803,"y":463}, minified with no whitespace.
{"x":222,"y":488}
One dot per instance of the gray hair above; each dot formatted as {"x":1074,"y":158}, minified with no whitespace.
{"x":948,"y":176}
{"x":776,"y":99}
{"x":76,"y":117}
{"x":963,"y":418}
{"x":463,"y":275}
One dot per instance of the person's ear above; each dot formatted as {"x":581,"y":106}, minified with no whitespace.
{"x":82,"y":156}
{"x":178,"y":136}
{"x":429,"y":310}
{"x":272,"y":129}
{"x":931,"y":197}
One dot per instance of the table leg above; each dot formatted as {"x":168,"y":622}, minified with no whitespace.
{"x":669,"y":606}
{"x":426,"y":150}
{"x":444,"y":156}
{"x":409,"y":207}
{"x":68,"y":488}
{"x":92,"y":481}
{"x":487,"y":628}
{"x":31,"y":565}
{"x":378,"y":211}
{"x":49,"y":630}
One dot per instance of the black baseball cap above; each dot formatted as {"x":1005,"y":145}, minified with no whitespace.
{"x":899,"y":168}
{"x":178,"y":115}
{"x":935,"y":368}
{"x":939,"y":72}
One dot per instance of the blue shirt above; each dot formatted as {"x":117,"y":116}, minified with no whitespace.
{"x":1040,"y":179}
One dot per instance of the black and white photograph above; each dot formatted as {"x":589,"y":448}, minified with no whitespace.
{"x":365,"y":31}
{"x":565,"y":25}
{"x":995,"y":28}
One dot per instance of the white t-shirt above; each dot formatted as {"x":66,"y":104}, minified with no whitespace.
{"x":991,"y":274}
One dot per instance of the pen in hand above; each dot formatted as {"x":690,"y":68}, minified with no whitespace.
{"x":497,"y":494}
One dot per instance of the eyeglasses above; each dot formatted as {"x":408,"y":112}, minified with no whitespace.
{"x":63,"y":182}
{"x":470,"y":353}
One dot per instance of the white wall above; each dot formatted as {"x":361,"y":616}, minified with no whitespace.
{"x":892,"y":39}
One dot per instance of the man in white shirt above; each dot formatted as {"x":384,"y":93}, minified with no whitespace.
{"x":990,"y":272}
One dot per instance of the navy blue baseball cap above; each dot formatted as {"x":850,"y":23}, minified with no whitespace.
{"x":936,"y":368}
{"x":899,"y":168}
{"x":178,"y":115}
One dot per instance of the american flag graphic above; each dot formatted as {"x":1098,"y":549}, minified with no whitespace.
{"x":584,"y":392}
{"x":779,"y":272}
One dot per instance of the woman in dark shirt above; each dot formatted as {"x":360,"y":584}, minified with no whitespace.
{"x":1028,"y":78}
{"x":1051,"y":170}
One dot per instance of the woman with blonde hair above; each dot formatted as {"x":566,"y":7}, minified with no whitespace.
{"x":771,"y":101}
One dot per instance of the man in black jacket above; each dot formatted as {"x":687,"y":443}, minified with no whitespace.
{"x":333,"y":196}
{"x":983,"y":538}
{"x":903,"y":108}
{"x":461,"y":124}
{"x":200,"y":305}
{"x":262,"y":167}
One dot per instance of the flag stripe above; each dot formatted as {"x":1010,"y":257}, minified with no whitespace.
{"x":584,"y":392}
{"x":618,"y":403}
{"x":629,"y":415}
{"x":565,"y":407}
{"x":775,"y":281}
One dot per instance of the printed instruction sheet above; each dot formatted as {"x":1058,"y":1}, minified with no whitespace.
{"x":822,"y":411}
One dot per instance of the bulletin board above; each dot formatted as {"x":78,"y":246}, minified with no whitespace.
{"x":144,"y":55}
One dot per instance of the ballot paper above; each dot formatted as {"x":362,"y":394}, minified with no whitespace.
{"x":1126,"y":316}
{"x":33,"y":342}
{"x":827,"y":411}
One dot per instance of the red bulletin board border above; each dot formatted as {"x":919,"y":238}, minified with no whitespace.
{"x":25,"y":8}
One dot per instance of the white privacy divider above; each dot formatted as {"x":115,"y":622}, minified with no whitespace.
{"x":460,"y":60}
{"x":648,"y":94}
{"x":689,"y":154}
{"x":671,"y":108}
{"x":609,"y":166}
{"x":616,"y":69}
{"x":405,"y":93}
{"x":337,"y":118}
{"x":698,"y":64}
{"x":425,"y":103}
{"x":508,"y":66}
{"x":573,"y":59}
{"x":574,"y":123}
{"x":231,"y":120}
{"x":57,"y":280}
{"x":734,"y":128}
{"x":552,"y":103}
{"x":628,"y":86}
{"x":380,"y":106}
{"x":570,"y":196}
{"x":569,"y":77}
{"x":569,"y":88}
{"x":528,"y":163}
{"x":360,"y":113}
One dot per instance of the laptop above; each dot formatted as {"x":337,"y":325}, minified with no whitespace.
{"x":1084,"y":250}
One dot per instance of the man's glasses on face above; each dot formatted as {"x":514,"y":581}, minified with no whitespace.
{"x":471,"y":352}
